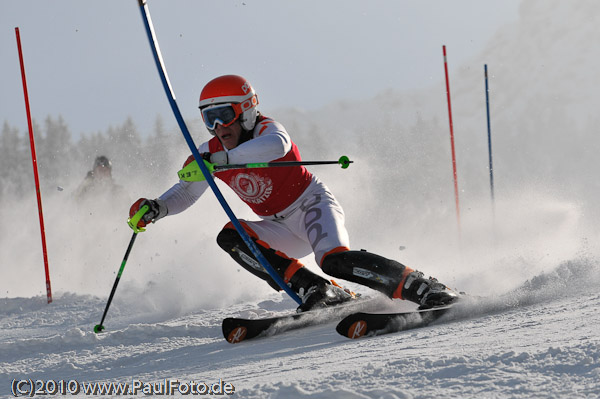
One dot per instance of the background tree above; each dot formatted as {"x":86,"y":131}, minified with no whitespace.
{"x":55,"y":153}
{"x":14,"y":175}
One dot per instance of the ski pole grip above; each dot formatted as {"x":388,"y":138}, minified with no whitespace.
{"x":133,"y":222}
{"x":192,"y":171}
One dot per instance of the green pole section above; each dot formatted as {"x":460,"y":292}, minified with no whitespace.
{"x":99,"y":327}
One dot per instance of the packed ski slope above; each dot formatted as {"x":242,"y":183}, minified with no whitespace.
{"x":540,"y":341}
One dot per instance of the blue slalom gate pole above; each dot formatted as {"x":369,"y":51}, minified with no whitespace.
{"x":186,"y":134}
{"x":487,"y":105}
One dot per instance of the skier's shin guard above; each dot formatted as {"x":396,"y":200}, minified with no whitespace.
{"x":232,"y":243}
{"x":290,"y":269}
{"x":374,"y":271}
{"x":303,"y":279}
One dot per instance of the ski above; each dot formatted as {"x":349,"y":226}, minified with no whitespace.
{"x":360,"y":324}
{"x":237,"y":329}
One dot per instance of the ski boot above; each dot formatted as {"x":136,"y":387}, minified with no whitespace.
{"x":322,"y":295}
{"x":427,"y":293}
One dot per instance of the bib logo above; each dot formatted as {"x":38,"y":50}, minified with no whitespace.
{"x":252,"y":188}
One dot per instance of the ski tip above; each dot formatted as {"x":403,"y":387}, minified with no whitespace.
{"x":237,"y":335}
{"x":352,"y":329}
{"x":98,"y":328}
{"x":357,"y":329}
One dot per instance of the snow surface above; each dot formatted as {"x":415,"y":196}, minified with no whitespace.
{"x":541,"y":341}
{"x":536,"y":260}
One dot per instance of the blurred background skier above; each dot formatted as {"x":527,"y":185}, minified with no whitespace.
{"x":298,"y":215}
{"x":99,"y":183}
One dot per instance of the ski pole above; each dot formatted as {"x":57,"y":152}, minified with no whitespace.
{"x":194,"y":149}
{"x":344,"y":161}
{"x":192,"y":171}
{"x":133,"y":221}
{"x":489,"y":129}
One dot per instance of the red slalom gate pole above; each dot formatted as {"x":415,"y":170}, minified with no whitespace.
{"x":35,"y":169}
{"x":452,"y":140}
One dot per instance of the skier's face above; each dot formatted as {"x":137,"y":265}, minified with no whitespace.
{"x":102,"y":172}
{"x":229,"y":135}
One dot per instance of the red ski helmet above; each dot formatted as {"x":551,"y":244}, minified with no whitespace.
{"x":231,"y":90}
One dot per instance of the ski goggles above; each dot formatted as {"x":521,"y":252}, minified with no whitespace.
{"x":224,"y":114}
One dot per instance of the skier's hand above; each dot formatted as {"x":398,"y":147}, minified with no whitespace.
{"x":188,"y":161}
{"x":193,"y":172}
{"x":157,"y":209}
{"x":217,"y":158}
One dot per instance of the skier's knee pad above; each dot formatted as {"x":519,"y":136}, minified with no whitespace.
{"x":227,"y":239}
{"x":365,"y":268}
{"x":231,"y":241}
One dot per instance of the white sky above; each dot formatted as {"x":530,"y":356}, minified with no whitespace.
{"x":90,"y":61}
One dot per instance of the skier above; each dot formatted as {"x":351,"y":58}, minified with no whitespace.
{"x":99,"y":182}
{"x":298,"y":214}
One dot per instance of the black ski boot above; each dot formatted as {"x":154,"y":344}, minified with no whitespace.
{"x":316,"y":292}
{"x":388,"y":276}
{"x":324,"y":295}
{"x":427,"y":293}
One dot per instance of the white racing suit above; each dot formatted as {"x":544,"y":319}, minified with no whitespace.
{"x":298,"y":215}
